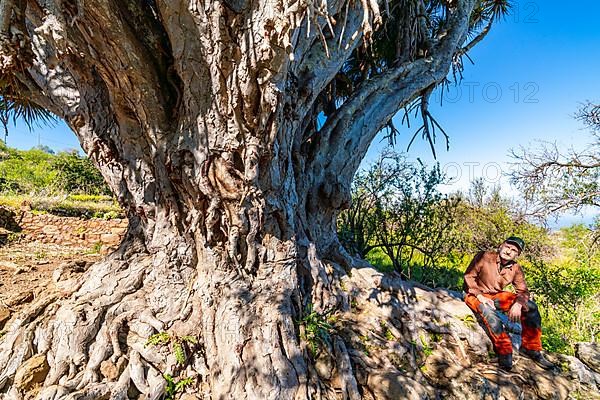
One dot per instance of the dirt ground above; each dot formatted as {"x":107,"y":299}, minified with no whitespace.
{"x":26,"y":269}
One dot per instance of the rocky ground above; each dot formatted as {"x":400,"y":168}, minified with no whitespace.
{"x":26,"y":268}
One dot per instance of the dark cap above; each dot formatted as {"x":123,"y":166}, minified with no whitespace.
{"x":517,"y":241}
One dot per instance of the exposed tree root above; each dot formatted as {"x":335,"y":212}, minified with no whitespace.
{"x":110,"y":310}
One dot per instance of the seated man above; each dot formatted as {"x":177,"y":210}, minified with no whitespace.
{"x":485,"y":279}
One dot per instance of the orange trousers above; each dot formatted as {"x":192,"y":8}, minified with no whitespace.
{"x":531,"y":321}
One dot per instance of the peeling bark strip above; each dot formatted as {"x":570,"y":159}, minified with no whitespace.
{"x":201,"y":117}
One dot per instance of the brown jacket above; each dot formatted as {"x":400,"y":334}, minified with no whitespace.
{"x":486,"y":275}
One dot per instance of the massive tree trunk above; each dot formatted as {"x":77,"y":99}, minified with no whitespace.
{"x":201,"y":117}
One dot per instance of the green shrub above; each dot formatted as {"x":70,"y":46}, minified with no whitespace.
{"x":75,"y":174}
{"x":26,"y":171}
{"x":317,"y":329}
{"x":567,"y":289}
{"x":174,"y":387}
{"x":40,"y":171}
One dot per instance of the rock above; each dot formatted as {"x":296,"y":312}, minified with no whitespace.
{"x":31,"y":372}
{"x":8,"y":265}
{"x":390,"y":385}
{"x":20,"y":298}
{"x":4,"y":316}
{"x":550,"y":386}
{"x":20,"y":270}
{"x":110,"y":238}
{"x":77,"y":266}
{"x":589,"y":354}
{"x":485,"y":382}
{"x":187,"y":396}
{"x":580,"y":372}
{"x":442,"y":366}
{"x":50,"y":229}
{"x":324,"y":366}
{"x":109,"y":370}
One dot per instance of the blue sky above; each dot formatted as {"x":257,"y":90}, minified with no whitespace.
{"x":530,"y":75}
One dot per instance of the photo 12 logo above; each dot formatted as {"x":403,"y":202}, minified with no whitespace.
{"x":490,"y":92}
{"x":526,"y":13}
{"x":491,"y":172}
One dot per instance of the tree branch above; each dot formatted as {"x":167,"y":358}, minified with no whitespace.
{"x":476,"y":39}
{"x":553,"y":182}
{"x":347,"y":134}
{"x":315,"y":68}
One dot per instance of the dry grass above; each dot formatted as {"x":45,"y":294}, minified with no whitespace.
{"x":67,"y":205}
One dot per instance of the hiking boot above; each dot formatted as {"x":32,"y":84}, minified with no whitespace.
{"x":505,"y":361}
{"x":538,"y":357}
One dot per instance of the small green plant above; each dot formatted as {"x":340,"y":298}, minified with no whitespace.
{"x":13,"y":237}
{"x":389,"y":335}
{"x":40,"y":255}
{"x":366,"y":345}
{"x":179,"y":352}
{"x":174,"y":387}
{"x":317,"y":329}
{"x":469,"y":321}
{"x":387,"y":332}
{"x":112,"y":215}
{"x":178,"y":344}
{"x":158,"y":339}
{"x":189,"y":339}
{"x":427,"y":349}
{"x":96,"y":248}
{"x":564,"y":366}
{"x":436,"y":337}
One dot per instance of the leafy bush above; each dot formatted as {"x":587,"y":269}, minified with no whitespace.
{"x":75,"y":174}
{"x":397,"y":209}
{"x":567,"y":288}
{"x":25,"y":171}
{"x":39,"y":171}
{"x":317,"y":329}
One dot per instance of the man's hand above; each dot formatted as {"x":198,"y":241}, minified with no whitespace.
{"x":514,"y":314}
{"x":485,"y":300}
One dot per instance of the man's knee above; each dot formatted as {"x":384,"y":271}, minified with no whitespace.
{"x":492,"y":320}
{"x":532,"y":316}
{"x":532,"y":307}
